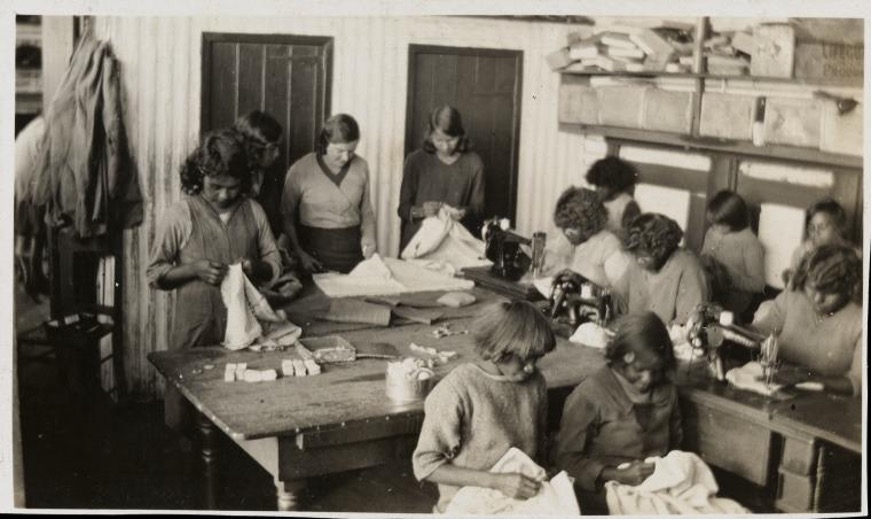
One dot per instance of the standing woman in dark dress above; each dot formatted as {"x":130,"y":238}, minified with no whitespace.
{"x":326,"y":209}
{"x":261,"y":135}
{"x":443,"y":171}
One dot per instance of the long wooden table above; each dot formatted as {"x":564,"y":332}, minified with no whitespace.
{"x":341,"y":419}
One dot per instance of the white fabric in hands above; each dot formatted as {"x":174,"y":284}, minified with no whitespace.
{"x":555,"y":498}
{"x":681,"y":484}
{"x":446,"y":240}
{"x":250,"y":319}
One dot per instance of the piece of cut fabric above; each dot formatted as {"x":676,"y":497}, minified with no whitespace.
{"x":379,"y":276}
{"x":748,"y":377}
{"x":443,"y":239}
{"x":682,"y":484}
{"x":250,"y":319}
{"x":555,"y":497}
{"x":355,"y":311}
{"x":456,"y":299}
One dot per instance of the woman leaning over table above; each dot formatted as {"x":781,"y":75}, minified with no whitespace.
{"x":326,"y":209}
{"x":665,"y":278}
{"x":444,"y":171}
{"x":819,"y":319}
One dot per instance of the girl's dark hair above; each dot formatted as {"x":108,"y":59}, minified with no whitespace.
{"x":654,"y":233}
{"x":834,"y":210}
{"x":580,"y":208}
{"x":219,"y":153}
{"x":514,"y":328}
{"x":613,"y":173}
{"x":640,"y":331}
{"x":338,"y":129}
{"x":729,"y":209}
{"x":832,"y":269}
{"x":447,"y":119}
{"x":259,"y":125}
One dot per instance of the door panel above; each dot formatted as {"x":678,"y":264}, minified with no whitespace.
{"x":485,"y":86}
{"x":285,"y":76}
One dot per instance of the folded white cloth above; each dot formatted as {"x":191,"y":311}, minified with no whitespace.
{"x":379,"y":276}
{"x":444,"y":239}
{"x":555,"y":498}
{"x":682,"y":483}
{"x":250,"y":319}
{"x":749,"y":377}
{"x":590,"y":334}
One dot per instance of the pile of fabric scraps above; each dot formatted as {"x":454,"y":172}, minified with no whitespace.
{"x":444,"y":240}
{"x":681,"y":484}
{"x":435,"y":357}
{"x":251,"y":322}
{"x":283,"y":289}
{"x":445,"y":330}
{"x":409,"y":368}
{"x":555,"y":497}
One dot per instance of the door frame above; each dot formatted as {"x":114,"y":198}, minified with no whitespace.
{"x":416,"y":49}
{"x":279,"y":39}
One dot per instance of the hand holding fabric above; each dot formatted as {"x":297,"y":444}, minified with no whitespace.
{"x":516,"y":485}
{"x":209,"y":272}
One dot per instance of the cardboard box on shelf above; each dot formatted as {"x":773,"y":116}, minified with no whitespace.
{"x":793,"y":122}
{"x":828,"y":60}
{"x":774,"y":47}
{"x":727,"y":116}
{"x":621,"y":105}
{"x":668,"y":111}
{"x":842,"y":133}
{"x":577,"y":102}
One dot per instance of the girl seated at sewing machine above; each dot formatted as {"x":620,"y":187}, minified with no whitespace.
{"x":819,"y":320}
{"x":590,"y":249}
{"x":731,"y":245}
{"x":483,"y":408}
{"x":665,"y":278}
{"x":625,"y":412}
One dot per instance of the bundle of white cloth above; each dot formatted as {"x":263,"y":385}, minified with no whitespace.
{"x":555,"y":497}
{"x":444,"y":243}
{"x":251,"y":322}
{"x":681,"y":484}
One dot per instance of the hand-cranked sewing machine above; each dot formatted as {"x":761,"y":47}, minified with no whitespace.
{"x":708,"y":326}
{"x":503,"y":248}
{"x":574,"y":299}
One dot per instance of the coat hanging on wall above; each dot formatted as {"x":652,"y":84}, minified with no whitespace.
{"x":85,"y":176}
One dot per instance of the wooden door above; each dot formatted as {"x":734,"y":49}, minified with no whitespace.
{"x":485,"y":86}
{"x":285,"y":76}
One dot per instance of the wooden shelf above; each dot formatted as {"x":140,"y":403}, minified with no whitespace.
{"x":805,"y":82}
{"x":791,"y":153}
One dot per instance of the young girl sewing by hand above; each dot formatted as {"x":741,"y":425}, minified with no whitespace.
{"x":483,"y":408}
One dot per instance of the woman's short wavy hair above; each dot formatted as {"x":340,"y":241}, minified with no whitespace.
{"x":652,"y":233}
{"x":515,"y":328}
{"x":580,"y":208}
{"x":836,"y":212}
{"x":613,"y":173}
{"x":338,"y":129}
{"x":447,"y":119}
{"x":219,"y":153}
{"x":832,"y":269}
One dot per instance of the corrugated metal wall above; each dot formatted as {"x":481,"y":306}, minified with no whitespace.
{"x":160,"y":60}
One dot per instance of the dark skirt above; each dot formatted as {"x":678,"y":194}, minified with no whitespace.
{"x":336,"y":249}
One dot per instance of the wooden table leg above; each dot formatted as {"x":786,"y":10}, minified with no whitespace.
{"x":288,"y":494}
{"x":209,"y":454}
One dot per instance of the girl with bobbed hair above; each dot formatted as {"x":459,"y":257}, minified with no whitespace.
{"x":444,"y":171}
{"x":484,"y":407}
{"x":825,"y":223}
{"x":624,"y":413}
{"x":819,"y":320}
{"x":326,"y":208}
{"x":664,"y":278}
{"x":614,"y":180}
{"x":261,"y":134}
{"x":592,"y":250}
{"x":732,"y":245}
{"x":215,"y":224}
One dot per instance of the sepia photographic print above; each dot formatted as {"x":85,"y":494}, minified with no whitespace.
{"x":537,"y":259}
